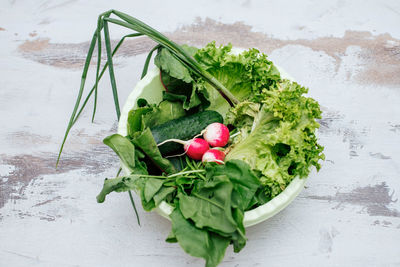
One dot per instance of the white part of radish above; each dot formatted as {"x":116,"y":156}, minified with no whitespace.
{"x":214,"y":155}
{"x":174,"y":140}
{"x":216,"y":134}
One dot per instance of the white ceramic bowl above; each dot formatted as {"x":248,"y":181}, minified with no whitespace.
{"x":150,"y":88}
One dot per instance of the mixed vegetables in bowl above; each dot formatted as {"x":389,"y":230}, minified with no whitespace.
{"x":213,"y":140}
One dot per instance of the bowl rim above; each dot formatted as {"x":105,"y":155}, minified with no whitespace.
{"x":251,"y":217}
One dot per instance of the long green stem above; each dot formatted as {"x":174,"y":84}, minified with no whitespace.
{"x":178,"y":51}
{"x":78,"y":100}
{"x":99,"y":25}
{"x":134,"y":207}
{"x":185,"y":172}
{"x":111,"y":69}
{"x":147,"y":62}
{"x":102,"y":72}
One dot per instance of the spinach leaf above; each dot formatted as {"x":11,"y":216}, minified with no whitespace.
{"x":152,"y":115}
{"x":145,"y":141}
{"x":197,"y":242}
{"x":167,"y":62}
{"x":179,"y":82}
{"x":212,"y":200}
{"x":119,"y":184}
{"x":151,"y":187}
{"x":165,"y":111}
{"x":162,"y":194}
{"x":245,"y":183}
{"x":135,"y":119}
{"x":123,"y":148}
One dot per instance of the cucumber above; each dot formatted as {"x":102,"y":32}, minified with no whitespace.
{"x":183,"y":128}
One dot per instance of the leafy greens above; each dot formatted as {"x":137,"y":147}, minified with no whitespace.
{"x":275,"y":142}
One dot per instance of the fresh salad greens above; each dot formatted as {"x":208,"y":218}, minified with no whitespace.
{"x":273,"y":141}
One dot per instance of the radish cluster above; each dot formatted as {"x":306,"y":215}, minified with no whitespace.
{"x":215,"y":135}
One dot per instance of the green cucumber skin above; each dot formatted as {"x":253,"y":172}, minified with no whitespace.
{"x":184,"y":128}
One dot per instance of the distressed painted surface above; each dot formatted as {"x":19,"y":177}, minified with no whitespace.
{"x":348,"y":54}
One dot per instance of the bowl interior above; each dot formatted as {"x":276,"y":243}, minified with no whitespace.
{"x":150,"y":88}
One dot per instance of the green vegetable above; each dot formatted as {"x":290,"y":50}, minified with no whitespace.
{"x":123,"y":148}
{"x":209,"y":209}
{"x":279,"y":141}
{"x":152,"y":115}
{"x":276,"y":138}
{"x":245,"y":75}
{"x":183,"y":128}
{"x":198,"y":242}
{"x":165,"y":112}
{"x":145,"y":141}
{"x":180,"y":84}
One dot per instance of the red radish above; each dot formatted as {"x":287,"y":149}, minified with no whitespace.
{"x":214,"y":155}
{"x":194,"y":148}
{"x":216,"y":134}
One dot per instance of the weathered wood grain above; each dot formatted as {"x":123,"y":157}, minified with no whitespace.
{"x":347,"y":53}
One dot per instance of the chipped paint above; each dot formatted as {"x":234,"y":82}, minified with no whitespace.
{"x":379,"y":155}
{"x":374,"y":199}
{"x":24,"y":169}
{"x":379,"y":54}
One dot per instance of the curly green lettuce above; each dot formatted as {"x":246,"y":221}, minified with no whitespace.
{"x":278,"y":140}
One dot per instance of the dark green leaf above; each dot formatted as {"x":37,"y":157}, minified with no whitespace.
{"x":146,"y":143}
{"x":162,"y":194}
{"x":151,"y":187}
{"x":135,"y":119}
{"x":165,"y":111}
{"x":211,"y":201}
{"x":167,"y":62}
{"x":119,"y":184}
{"x":123,"y":148}
{"x":198,"y":242}
{"x":245,"y":183}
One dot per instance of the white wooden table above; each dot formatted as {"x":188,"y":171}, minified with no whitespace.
{"x":347,"y":53}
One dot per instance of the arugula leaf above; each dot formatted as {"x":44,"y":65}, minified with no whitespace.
{"x":123,"y":148}
{"x":208,"y":213}
{"x":197,"y":242}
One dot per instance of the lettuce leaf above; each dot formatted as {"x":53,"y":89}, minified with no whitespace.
{"x":279,"y":141}
{"x":245,"y":74}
